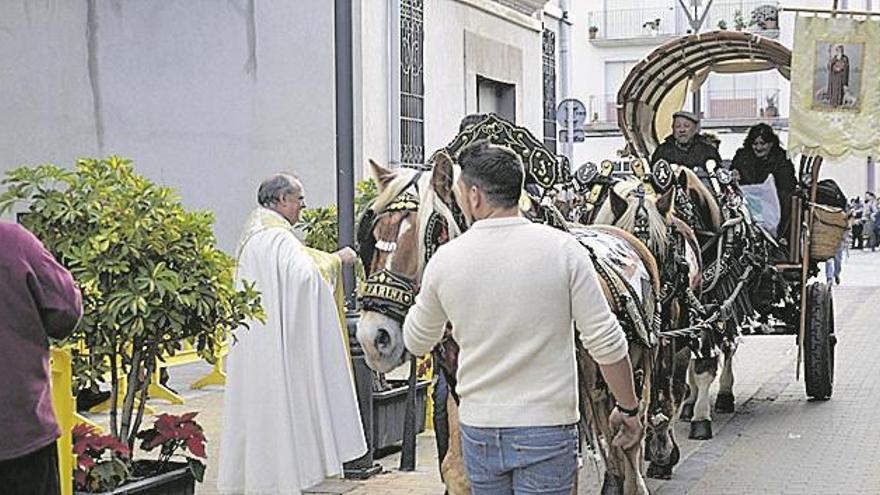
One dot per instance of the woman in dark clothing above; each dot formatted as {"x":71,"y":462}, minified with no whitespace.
{"x":760,"y":156}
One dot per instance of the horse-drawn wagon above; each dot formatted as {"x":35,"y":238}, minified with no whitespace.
{"x":656,"y":88}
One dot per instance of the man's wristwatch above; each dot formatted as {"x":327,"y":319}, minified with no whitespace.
{"x":628,"y":412}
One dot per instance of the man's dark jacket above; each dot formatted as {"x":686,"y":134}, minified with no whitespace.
{"x":694,"y":156}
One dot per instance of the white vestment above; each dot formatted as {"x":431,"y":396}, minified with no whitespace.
{"x":290,"y":411}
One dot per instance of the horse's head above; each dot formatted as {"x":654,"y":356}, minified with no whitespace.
{"x":635,"y":207}
{"x":413,"y":214}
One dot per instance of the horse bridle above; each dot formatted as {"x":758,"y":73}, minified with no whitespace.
{"x":385,"y":292}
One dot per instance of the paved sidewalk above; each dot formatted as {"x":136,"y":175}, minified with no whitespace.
{"x":777,"y":442}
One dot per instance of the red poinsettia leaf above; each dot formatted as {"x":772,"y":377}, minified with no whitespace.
{"x":80,"y":447}
{"x":188,"y":416}
{"x":81,"y":430}
{"x":187,"y":430}
{"x":165,"y":422}
{"x":80,"y":478}
{"x":197,"y":447}
{"x":85,"y":462}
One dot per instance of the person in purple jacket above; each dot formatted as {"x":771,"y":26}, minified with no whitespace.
{"x":38,"y":299}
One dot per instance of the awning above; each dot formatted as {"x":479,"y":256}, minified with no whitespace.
{"x":657,"y":86}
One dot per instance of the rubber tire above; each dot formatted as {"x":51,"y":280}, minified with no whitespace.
{"x":819,"y":342}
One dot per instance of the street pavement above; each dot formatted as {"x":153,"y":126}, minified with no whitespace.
{"x":777,"y":442}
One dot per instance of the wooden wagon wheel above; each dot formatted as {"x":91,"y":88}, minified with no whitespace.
{"x":819,"y":342}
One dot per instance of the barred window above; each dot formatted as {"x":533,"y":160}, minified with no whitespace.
{"x":412,"y":84}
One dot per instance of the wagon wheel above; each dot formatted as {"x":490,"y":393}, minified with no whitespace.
{"x":819,"y":342}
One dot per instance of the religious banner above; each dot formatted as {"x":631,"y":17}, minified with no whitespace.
{"x":835,"y":87}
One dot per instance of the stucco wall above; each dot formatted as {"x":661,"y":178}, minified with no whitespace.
{"x":206,"y":97}
{"x":497,"y":47}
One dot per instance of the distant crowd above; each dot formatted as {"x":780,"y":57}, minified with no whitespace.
{"x":864,"y":217}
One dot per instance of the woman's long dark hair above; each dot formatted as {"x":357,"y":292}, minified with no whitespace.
{"x":765,"y":132}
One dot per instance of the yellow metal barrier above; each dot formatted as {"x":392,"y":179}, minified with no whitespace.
{"x":425,"y":370}
{"x":65,"y":414}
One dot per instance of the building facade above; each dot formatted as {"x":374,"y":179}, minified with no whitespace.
{"x":210,"y":97}
{"x":612,"y":36}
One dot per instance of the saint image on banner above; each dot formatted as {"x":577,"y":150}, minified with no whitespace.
{"x":837,"y":77}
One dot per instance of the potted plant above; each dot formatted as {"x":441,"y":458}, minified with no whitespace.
{"x":739,"y":23}
{"x":100,"y":460}
{"x":594,"y":31}
{"x":97,"y":472}
{"x":722,"y":25}
{"x":765,"y":17}
{"x":771,"y":110}
{"x":149,"y":271}
{"x":652,"y":26}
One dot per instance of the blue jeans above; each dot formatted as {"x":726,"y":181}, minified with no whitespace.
{"x":541,"y":459}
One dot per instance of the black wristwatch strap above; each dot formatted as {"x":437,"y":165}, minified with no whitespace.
{"x":628,"y":412}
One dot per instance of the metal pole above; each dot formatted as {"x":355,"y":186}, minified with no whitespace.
{"x":565,"y":77}
{"x":871,"y":171}
{"x":394,"y":83}
{"x":345,"y":137}
{"x":363,"y":467}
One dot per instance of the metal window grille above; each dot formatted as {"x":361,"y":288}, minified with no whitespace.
{"x":412,"y":84}
{"x":550,"y":90}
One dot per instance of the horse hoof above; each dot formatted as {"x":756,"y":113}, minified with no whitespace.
{"x":687,"y":411}
{"x":701,"y":430}
{"x":659,"y":471}
{"x":724,"y":403}
{"x":612,"y":485}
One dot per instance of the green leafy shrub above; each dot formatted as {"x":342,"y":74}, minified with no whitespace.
{"x":320,"y":225}
{"x":149,"y":271}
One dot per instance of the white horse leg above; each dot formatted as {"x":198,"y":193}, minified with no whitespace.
{"x":704,"y":375}
{"x":724,"y":403}
{"x":687,"y":406}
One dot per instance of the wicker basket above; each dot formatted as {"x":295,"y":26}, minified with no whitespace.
{"x":828,"y":230}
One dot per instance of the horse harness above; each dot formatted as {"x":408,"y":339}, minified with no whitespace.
{"x":384,"y":291}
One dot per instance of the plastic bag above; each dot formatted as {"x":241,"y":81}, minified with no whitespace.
{"x":763,"y":203}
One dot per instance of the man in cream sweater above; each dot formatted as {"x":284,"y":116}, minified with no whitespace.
{"x":512,"y":290}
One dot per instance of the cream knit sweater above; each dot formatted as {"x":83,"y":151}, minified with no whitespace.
{"x":511,"y":290}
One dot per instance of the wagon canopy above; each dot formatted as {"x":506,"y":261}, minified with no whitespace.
{"x":657,"y":86}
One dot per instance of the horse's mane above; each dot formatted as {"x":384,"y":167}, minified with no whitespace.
{"x":401,"y":181}
{"x":704,"y":198}
{"x":429,"y":203}
{"x":657,"y":224}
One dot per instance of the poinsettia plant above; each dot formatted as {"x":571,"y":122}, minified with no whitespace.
{"x":101,"y":460}
{"x":175,"y":435}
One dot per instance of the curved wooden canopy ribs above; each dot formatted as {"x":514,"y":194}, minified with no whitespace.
{"x":650,"y":82}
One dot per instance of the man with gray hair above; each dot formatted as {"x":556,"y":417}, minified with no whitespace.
{"x":290,"y":412}
{"x":686,"y":147}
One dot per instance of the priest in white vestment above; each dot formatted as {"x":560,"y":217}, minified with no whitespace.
{"x":290,"y":411}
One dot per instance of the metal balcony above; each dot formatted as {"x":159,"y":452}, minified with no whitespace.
{"x":654,"y":25}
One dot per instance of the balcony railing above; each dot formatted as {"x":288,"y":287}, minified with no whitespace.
{"x":736,"y":107}
{"x":735,"y":104}
{"x":602,"y":109}
{"x":670,"y":20}
{"x":636,"y":23}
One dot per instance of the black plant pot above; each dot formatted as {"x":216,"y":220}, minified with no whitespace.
{"x":178,"y":480}
{"x":389,"y":413}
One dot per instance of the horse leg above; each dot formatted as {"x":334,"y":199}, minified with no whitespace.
{"x":687,"y":407}
{"x":661,"y":446}
{"x":705,"y":370}
{"x":452,"y":466}
{"x":724,"y":403}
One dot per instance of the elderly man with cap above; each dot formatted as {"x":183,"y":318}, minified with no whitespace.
{"x":685,"y":147}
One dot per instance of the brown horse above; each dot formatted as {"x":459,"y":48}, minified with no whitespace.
{"x":633,"y":206}
{"x":413,"y":212}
